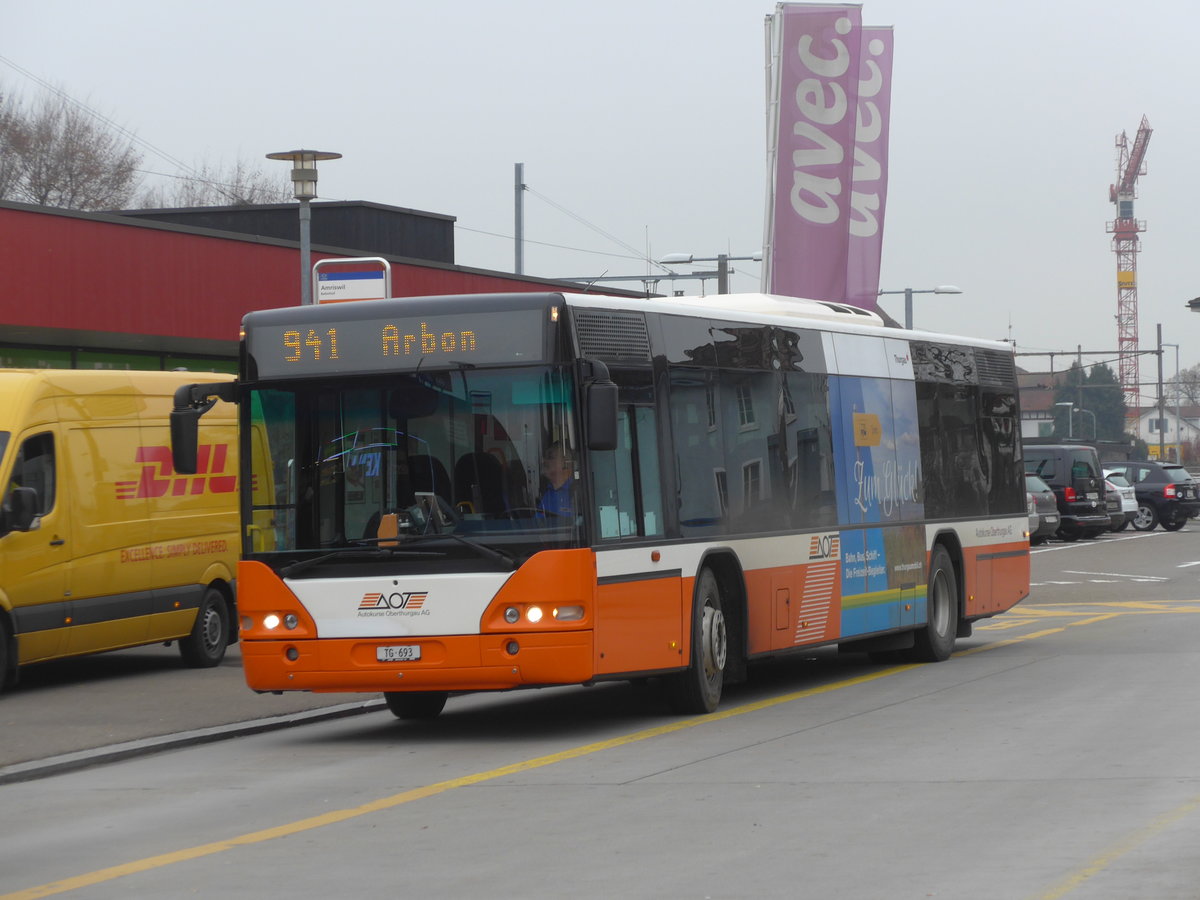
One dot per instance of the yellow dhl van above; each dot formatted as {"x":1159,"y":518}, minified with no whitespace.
{"x":102,"y":544}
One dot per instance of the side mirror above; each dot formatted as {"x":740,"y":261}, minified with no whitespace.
{"x":185,"y":436}
{"x":601,"y":412}
{"x":191,"y":402}
{"x":23,"y":509}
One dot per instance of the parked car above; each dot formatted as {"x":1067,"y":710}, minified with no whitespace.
{"x":1045,"y":508}
{"x":1122,"y":499}
{"x":1073,"y":472}
{"x":1165,"y":494}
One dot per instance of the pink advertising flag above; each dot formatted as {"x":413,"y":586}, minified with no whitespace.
{"x":813,"y":108}
{"x":868,"y":197}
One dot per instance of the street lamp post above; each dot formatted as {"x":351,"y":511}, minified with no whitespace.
{"x":1178,"y":417}
{"x":721,"y":259}
{"x":304,"y":182}
{"x":908,"y":295}
{"x":1070,"y":418}
{"x":1093,"y":415}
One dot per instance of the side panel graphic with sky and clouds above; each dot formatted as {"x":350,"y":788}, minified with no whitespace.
{"x":878,"y":463}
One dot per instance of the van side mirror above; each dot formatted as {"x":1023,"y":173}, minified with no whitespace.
{"x":600,"y":407}
{"x":191,"y":402}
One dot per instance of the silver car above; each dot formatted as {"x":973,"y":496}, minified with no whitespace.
{"x":1118,"y":484}
{"x":1047,"y":510}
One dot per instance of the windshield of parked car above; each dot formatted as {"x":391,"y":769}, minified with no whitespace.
{"x":1176,"y":474}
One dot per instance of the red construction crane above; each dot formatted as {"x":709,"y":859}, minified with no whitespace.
{"x":1131,"y":162}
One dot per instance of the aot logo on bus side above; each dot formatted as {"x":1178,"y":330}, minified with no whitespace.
{"x":158,"y":478}
{"x":824,"y":546}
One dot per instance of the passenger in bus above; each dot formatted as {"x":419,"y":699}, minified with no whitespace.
{"x":558,"y":473}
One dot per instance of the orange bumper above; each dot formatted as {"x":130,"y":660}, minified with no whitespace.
{"x":447,"y":663}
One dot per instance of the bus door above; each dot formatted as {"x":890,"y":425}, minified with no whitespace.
{"x":639,"y":615}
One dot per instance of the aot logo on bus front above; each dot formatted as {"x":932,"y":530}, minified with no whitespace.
{"x":411,"y":601}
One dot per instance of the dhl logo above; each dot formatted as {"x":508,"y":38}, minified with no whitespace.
{"x":158,"y":478}
{"x":397,"y":600}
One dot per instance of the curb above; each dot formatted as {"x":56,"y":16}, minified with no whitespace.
{"x":82,"y":759}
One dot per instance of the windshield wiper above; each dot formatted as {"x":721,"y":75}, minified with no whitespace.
{"x":304,"y":565}
{"x":507,"y":559}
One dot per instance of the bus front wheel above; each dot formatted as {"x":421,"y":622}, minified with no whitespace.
{"x":698,"y":688}
{"x":414,"y":705}
{"x":935,"y":642}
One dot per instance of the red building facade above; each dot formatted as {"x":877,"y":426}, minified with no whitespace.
{"x":93,"y":290}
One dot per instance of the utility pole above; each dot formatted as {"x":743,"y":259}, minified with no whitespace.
{"x":1161,"y":411}
{"x":519,"y":223}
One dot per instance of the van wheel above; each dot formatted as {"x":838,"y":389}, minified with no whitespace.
{"x":7,"y":678}
{"x":410,"y":705}
{"x":1146,"y":518}
{"x":935,"y":642}
{"x":205,"y":646}
{"x":698,"y":688}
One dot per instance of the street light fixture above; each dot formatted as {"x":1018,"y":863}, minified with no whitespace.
{"x":908,"y":295}
{"x":304,"y":182}
{"x":721,"y":259}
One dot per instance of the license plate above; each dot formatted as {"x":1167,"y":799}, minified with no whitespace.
{"x":1092,"y":495}
{"x":1051,"y":519}
{"x":401,"y":653}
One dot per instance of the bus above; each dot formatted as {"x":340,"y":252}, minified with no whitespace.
{"x":747,"y":476}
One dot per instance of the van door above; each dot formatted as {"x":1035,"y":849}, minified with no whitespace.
{"x":111,"y":570}
{"x":34,"y":563}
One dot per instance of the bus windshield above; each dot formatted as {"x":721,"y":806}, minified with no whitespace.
{"x":485,"y":455}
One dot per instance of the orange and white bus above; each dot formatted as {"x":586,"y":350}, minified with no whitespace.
{"x":735,"y":478}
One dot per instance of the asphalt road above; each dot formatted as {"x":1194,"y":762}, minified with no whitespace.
{"x":1053,"y":756}
{"x":124,"y":702}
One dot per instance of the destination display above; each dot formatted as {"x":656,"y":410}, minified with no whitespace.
{"x":310,"y":345}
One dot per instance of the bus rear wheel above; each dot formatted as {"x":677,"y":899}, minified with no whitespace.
{"x":935,"y":642}
{"x":697,"y":689}
{"x":415,"y":705}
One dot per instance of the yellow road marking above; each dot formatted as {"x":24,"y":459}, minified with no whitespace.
{"x":332,"y":818}
{"x":337,"y":816}
{"x":1121,"y":848}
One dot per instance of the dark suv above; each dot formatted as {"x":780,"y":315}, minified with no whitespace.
{"x":1165,"y":493}
{"x":1073,"y":473}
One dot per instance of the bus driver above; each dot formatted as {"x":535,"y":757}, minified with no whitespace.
{"x":557,"y":499}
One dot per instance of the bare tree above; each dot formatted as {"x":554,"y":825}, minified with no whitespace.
{"x":56,"y":152}
{"x":238,"y":185}
{"x":1189,"y":385}
{"x":10,"y":142}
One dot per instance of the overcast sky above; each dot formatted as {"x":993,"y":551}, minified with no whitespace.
{"x":641,"y":125}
